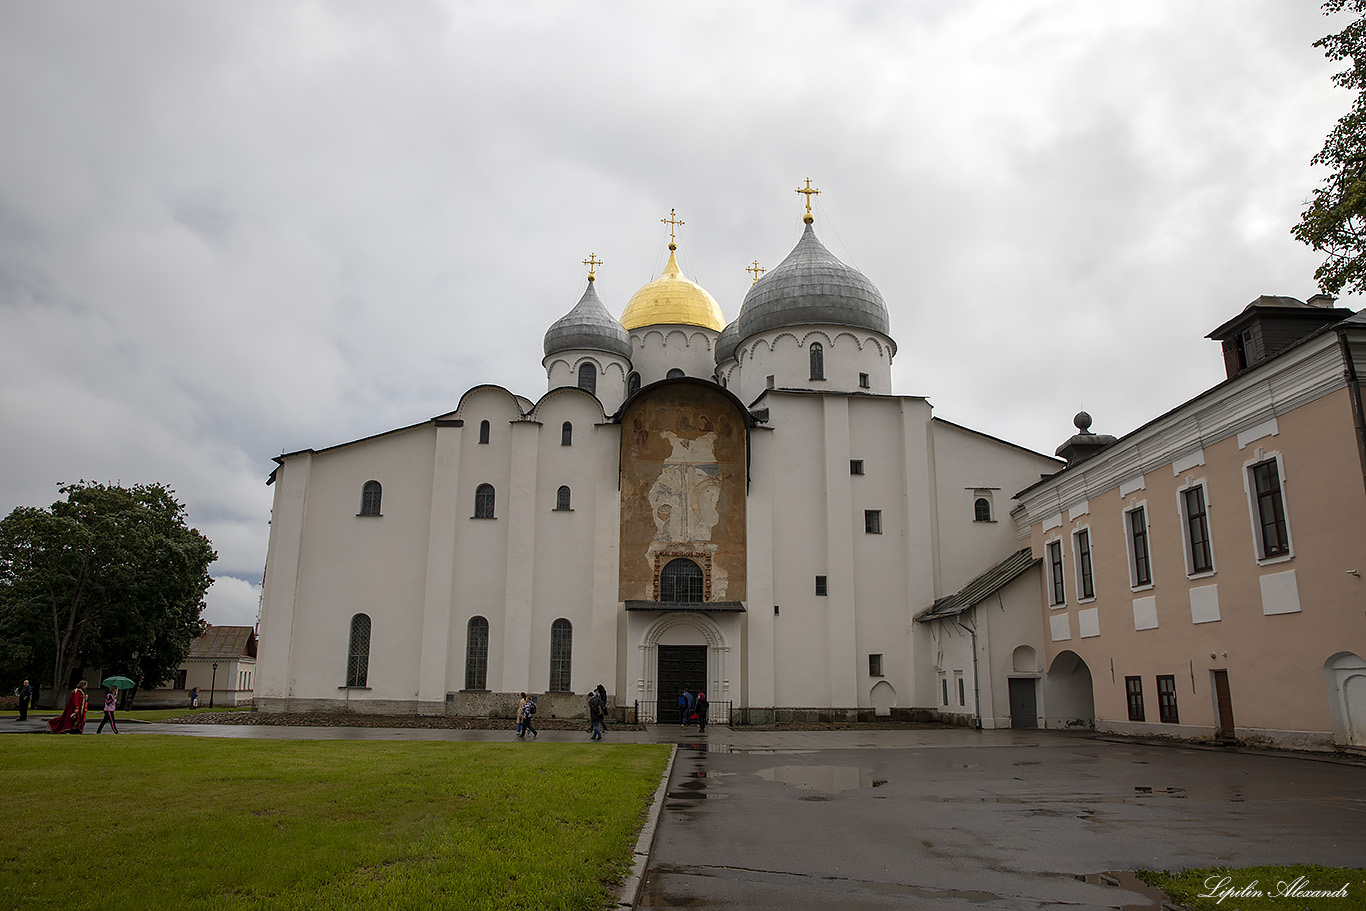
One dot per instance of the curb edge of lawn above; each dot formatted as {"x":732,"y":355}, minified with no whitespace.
{"x":629,"y":891}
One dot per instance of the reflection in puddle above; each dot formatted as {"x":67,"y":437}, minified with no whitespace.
{"x":822,"y":777}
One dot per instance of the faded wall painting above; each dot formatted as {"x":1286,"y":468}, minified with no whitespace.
{"x":683,"y":491}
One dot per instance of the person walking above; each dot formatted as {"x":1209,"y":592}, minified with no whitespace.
{"x":602,"y":693}
{"x":194,"y":698}
{"x":72,"y":719}
{"x":529,"y":709}
{"x":111,"y":701}
{"x":521,"y":704}
{"x":684,"y":708}
{"x":25,"y":699}
{"x":596,"y":710}
{"x":701,"y":707}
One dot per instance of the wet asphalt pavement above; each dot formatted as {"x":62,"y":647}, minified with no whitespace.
{"x":946,"y":818}
{"x":984,"y":820}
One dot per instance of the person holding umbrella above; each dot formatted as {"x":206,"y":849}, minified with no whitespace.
{"x":110,"y":702}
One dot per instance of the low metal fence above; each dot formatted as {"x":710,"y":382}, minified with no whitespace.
{"x":665,"y":711}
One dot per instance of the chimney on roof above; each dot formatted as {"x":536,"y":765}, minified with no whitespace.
{"x":1084,"y":443}
{"x":1322,"y":300}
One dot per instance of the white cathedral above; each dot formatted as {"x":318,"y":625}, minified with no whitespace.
{"x":743,"y":508}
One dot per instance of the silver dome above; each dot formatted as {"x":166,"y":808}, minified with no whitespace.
{"x":728,"y":341}
{"x":809,"y":288}
{"x":589,"y":326}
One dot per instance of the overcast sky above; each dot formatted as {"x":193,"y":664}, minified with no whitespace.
{"x":233,"y":229}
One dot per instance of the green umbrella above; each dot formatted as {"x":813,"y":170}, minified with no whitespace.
{"x":118,"y":683}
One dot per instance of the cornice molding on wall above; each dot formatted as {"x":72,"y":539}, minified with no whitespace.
{"x":1298,"y":377}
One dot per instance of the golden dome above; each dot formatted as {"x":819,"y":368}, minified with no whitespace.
{"x":672,"y":299}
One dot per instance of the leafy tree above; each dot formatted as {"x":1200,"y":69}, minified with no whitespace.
{"x":109,"y":577}
{"x":1334,"y":222}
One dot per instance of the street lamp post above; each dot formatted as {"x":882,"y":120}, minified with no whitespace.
{"x":213,"y":681}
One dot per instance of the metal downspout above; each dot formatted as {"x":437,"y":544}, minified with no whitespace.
{"x":1354,"y":390}
{"x":976,"y":686}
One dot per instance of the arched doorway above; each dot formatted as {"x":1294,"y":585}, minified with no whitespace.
{"x":682,"y":650}
{"x":1069,"y":701}
{"x":1346,"y":679}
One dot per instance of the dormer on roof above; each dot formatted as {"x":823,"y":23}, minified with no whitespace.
{"x":1269,"y":325}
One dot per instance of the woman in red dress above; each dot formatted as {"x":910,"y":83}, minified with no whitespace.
{"x":72,"y":719}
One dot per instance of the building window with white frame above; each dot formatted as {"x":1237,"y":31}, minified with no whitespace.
{"x":358,"y":652}
{"x":1271,"y":531}
{"x":1195,"y":515}
{"x":1057,"y":591}
{"x":874,"y":665}
{"x":561,"y":654}
{"x":370,"y":495}
{"x":562,"y":499}
{"x":817,"y":361}
{"x":872,"y":521}
{"x":588,"y":378}
{"x":483,"y":501}
{"x":981,"y":510}
{"x":1086,"y":581}
{"x":1140,"y":562}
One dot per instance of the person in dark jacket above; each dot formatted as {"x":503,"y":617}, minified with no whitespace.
{"x":596,"y":710}
{"x":701,"y":708}
{"x":25,"y":699}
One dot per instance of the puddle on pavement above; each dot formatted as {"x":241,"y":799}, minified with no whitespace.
{"x":822,"y":777}
{"x":1154,"y":898}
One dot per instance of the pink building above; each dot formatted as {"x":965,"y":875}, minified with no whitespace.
{"x":1202,"y":576}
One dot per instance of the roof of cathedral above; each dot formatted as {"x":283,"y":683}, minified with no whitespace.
{"x":728,"y":341}
{"x":981,"y":588}
{"x":812,"y":287}
{"x":672,"y":299}
{"x":589,"y":326}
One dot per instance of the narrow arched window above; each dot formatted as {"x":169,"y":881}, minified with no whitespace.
{"x":483,"y":431}
{"x":588,"y":378}
{"x":633,"y":383}
{"x":566,"y":434}
{"x":681,"y":580}
{"x":369,"y":498}
{"x":674,"y":373}
{"x":358,"y":652}
{"x":562,"y":498}
{"x":561,"y":650}
{"x":982,"y":510}
{"x":483,"y":501}
{"x":817,"y":361}
{"x":477,"y":654}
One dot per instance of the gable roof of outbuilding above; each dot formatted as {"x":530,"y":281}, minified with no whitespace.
{"x":981,"y":588}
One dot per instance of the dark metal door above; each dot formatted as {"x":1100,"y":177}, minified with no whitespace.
{"x":1224,"y":702}
{"x":1024,"y":707}
{"x":680,"y":667}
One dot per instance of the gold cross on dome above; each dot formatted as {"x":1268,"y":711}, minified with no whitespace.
{"x":591,"y":262}
{"x":756,"y":269}
{"x":808,"y":193}
{"x":673,"y":222}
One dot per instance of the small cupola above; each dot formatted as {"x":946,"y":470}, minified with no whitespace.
{"x":1083,"y":443}
{"x":1269,"y":325}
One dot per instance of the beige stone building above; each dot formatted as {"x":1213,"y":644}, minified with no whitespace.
{"x":1202,"y":576}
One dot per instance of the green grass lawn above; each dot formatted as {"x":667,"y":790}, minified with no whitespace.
{"x":1283,"y":888}
{"x":179,"y":822}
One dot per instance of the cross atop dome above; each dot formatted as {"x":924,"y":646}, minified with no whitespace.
{"x":808,"y":192}
{"x":592,"y":262}
{"x":673,"y":221}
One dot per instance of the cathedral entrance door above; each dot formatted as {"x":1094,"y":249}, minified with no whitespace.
{"x":681,"y":667}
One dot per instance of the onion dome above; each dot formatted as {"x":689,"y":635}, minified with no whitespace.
{"x":809,"y":288}
{"x":589,"y":326}
{"x":727,"y":342}
{"x":672,"y":299}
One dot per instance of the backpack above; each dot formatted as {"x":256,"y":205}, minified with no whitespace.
{"x":530,"y":708}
